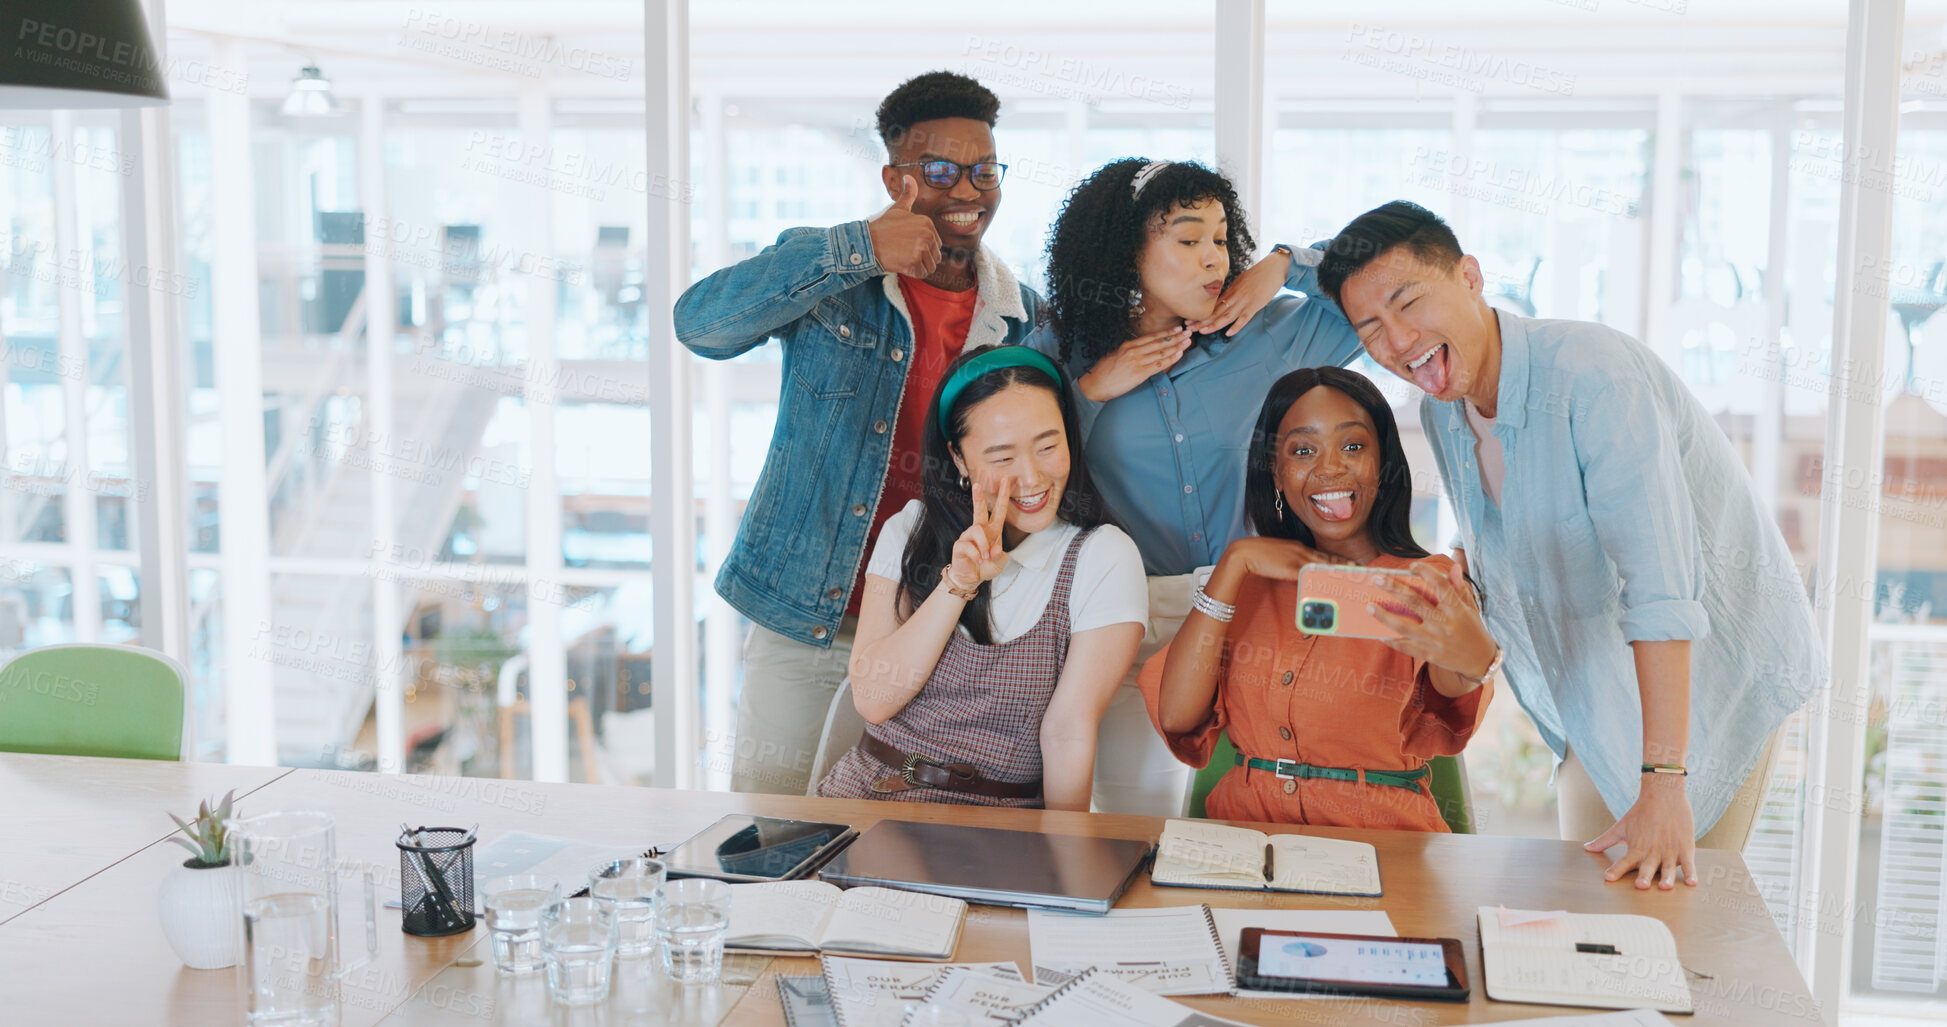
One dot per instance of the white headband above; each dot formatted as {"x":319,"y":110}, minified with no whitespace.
{"x":1142,"y":177}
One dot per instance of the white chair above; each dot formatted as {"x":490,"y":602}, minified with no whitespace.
{"x":843,"y":726}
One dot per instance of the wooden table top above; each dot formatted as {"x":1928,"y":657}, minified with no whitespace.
{"x":63,"y":818}
{"x":1433,"y":885}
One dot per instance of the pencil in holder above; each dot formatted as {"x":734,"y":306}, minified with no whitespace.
{"x":436,"y":874}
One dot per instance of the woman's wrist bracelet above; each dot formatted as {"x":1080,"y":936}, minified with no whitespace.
{"x":1666,"y":768}
{"x":1215,"y":609}
{"x":1493,"y":666}
{"x":964,"y":594}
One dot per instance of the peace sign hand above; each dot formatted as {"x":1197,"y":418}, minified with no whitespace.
{"x":977,"y":553}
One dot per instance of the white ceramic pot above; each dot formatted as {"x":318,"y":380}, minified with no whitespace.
{"x":198,"y":909}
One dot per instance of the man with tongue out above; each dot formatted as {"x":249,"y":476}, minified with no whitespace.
{"x":869,"y":313}
{"x":1654,"y":625}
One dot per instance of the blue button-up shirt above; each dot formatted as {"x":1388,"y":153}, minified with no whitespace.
{"x":1169,"y":455}
{"x":1626,"y":516}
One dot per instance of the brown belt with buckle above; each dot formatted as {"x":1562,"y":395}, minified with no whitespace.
{"x":917,"y":771}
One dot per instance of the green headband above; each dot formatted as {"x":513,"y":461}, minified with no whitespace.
{"x":990,"y":359}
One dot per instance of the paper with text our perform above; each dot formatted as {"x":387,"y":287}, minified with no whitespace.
{"x":988,"y":1001}
{"x":1169,"y":951}
{"x":863,"y":990}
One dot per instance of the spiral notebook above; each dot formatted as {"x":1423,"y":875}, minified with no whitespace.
{"x":1172,"y":950}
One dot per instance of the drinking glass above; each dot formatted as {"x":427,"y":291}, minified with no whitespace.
{"x":628,"y":888}
{"x":286,"y":881}
{"x":692,"y":918}
{"x":578,"y":939}
{"x":514,"y":908}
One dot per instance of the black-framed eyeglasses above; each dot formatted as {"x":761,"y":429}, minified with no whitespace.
{"x":944,"y":174}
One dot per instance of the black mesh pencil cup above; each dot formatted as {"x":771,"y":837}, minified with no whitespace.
{"x":436,"y":871}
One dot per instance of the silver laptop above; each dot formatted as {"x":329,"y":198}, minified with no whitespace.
{"x":984,"y":864}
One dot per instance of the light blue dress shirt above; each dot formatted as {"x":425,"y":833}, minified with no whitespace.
{"x":1168,"y":455}
{"x":1626,"y":516}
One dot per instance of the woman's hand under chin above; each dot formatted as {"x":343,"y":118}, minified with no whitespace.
{"x":1133,"y":363}
{"x":1251,"y":291}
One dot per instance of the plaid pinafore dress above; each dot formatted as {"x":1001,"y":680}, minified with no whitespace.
{"x":982,"y":705}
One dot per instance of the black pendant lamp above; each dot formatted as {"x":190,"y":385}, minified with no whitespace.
{"x":58,"y":54}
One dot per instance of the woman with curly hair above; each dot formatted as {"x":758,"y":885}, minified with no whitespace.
{"x":1171,"y":334}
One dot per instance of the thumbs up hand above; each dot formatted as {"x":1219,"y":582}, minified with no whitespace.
{"x":904,"y":242}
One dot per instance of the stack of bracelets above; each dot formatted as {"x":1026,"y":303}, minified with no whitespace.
{"x":1221,"y":612}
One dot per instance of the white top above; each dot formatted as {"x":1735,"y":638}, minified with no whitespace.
{"x":1108,"y":588}
{"x":1487,"y":450}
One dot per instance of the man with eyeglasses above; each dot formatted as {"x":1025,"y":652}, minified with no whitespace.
{"x":869,"y":313}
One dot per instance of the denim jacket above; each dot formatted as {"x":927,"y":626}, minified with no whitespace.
{"x":846,"y":333}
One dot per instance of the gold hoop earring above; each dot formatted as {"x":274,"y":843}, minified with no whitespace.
{"x":1278,"y":502}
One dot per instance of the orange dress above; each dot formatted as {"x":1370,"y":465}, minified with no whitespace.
{"x":1323,"y":700}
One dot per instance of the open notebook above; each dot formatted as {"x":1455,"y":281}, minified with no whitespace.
{"x":1200,"y":854}
{"x":1599,"y":960}
{"x":811,"y":916}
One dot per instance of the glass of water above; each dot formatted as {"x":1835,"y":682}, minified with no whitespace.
{"x":692,"y":918}
{"x":578,"y":938}
{"x":514,"y":907}
{"x":288,"y":956}
{"x":628,"y":888}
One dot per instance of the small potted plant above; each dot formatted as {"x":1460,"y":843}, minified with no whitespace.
{"x":197,"y":905}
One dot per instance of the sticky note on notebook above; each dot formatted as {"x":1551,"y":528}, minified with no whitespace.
{"x":1518,"y":917}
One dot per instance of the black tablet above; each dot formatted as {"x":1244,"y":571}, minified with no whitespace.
{"x":1352,"y":964}
{"x":741,"y":847}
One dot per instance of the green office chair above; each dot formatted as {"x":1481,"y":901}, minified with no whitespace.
{"x":1448,"y":784}
{"x":92,"y":700}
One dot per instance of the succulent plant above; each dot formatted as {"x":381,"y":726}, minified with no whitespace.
{"x":209,"y":833}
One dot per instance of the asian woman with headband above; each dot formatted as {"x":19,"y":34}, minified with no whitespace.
{"x":1002,"y":609}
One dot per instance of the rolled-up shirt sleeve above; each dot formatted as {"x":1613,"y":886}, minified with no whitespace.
{"x":1433,"y":724}
{"x":1632,"y":475}
{"x":1321,"y":336}
{"x":1191,"y":747}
